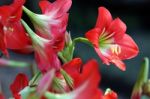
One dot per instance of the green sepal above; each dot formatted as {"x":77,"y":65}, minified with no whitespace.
{"x":68,"y":78}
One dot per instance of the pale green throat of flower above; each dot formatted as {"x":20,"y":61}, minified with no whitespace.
{"x":106,"y":42}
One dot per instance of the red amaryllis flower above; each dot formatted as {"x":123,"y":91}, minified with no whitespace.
{"x":20,"y":82}
{"x":109,"y":94}
{"x":45,"y":55}
{"x":2,"y":96}
{"x":110,"y":40}
{"x":52,"y":23}
{"x":84,"y":76}
{"x":12,"y":33}
{"x":46,"y":58}
{"x":85,"y":82}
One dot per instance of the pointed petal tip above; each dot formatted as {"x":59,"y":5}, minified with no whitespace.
{"x":120,"y":64}
{"x":104,"y":18}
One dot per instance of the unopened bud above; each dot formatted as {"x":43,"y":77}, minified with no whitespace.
{"x":146,"y":88}
{"x":68,"y":39}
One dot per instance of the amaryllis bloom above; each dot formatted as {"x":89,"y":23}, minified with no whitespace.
{"x":110,"y":40}
{"x":109,"y":94}
{"x":12,"y":33}
{"x":53,"y":22}
{"x":20,"y":82}
{"x":45,"y":55}
{"x":2,"y":96}
{"x":84,"y":81}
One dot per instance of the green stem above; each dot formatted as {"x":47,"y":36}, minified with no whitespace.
{"x":35,"y":38}
{"x":144,"y":71}
{"x":35,"y":79}
{"x":13,"y":63}
{"x":68,"y":78}
{"x":83,"y":40}
{"x":62,"y":57}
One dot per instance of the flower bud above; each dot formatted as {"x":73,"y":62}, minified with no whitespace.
{"x":146,"y":88}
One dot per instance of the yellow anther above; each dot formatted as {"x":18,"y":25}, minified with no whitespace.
{"x":12,"y":17}
{"x":10,"y":29}
{"x":115,"y":49}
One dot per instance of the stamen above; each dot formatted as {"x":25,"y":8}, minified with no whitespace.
{"x":103,"y":33}
{"x":8,"y":29}
{"x":115,"y":49}
{"x":12,"y":17}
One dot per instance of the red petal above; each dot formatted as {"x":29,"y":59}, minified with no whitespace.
{"x":73,"y":68}
{"x":58,"y":32}
{"x":45,"y":82}
{"x":16,"y":10}
{"x":88,"y":84}
{"x":93,"y":36}
{"x":3,"y":41}
{"x":98,"y":94}
{"x":129,"y":49}
{"x":2,"y":96}
{"x":44,"y":5}
{"x":90,"y":68}
{"x":118,"y":28}
{"x":16,"y":36}
{"x":120,"y":64}
{"x":104,"y":59}
{"x":104,"y":18}
{"x":20,"y":82}
{"x":59,"y":7}
{"x":4,"y":13}
{"x":26,"y":50}
{"x":111,"y":95}
{"x":111,"y":58}
{"x":136,"y":95}
{"x":11,"y":12}
{"x":46,"y":59}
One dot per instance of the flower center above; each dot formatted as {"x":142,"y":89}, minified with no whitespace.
{"x":106,"y":43}
{"x":105,"y":39}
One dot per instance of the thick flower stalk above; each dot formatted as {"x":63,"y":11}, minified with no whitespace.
{"x":110,"y":41}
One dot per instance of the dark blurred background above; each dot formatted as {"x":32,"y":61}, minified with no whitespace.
{"x":83,"y":15}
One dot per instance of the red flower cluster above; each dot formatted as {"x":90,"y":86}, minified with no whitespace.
{"x":51,"y":44}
